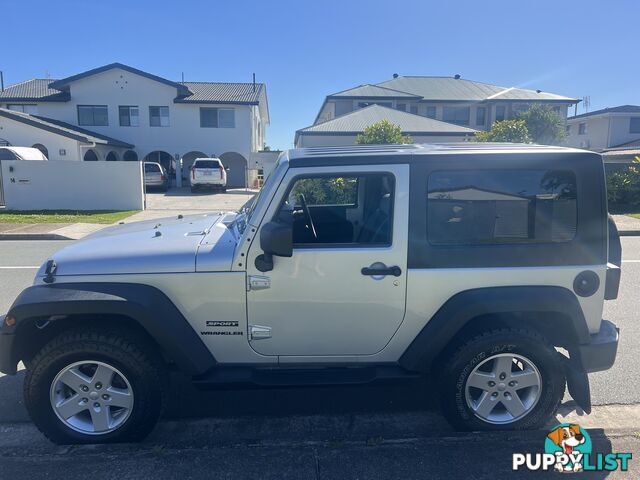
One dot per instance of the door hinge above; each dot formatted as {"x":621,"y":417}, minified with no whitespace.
{"x":258,"y":332}
{"x":258,"y":282}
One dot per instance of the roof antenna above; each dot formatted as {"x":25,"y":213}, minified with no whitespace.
{"x":254,"y":82}
{"x":182,"y":77}
{"x":1,"y":81}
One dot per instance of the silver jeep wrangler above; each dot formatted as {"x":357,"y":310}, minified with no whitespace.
{"x":484,"y":267}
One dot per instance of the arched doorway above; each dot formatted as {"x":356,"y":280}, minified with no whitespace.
{"x":236,"y":166}
{"x":42,"y":148}
{"x":163,"y":158}
{"x":90,"y":156}
{"x":112,"y":157}
{"x":187,"y":161}
{"x":130,"y":156}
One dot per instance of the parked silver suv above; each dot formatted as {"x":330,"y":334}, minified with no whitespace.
{"x":475,"y":264}
{"x":155,"y":176}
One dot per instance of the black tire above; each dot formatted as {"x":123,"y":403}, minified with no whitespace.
{"x":128,"y":352}
{"x":456,"y":365}
{"x":193,"y":189}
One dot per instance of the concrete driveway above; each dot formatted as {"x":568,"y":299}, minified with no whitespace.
{"x":181,"y":201}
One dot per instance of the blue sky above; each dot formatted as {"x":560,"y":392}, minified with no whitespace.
{"x":304,"y":50}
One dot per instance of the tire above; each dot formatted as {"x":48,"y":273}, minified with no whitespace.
{"x":193,"y":189}
{"x":129,"y":354}
{"x":482,"y":352}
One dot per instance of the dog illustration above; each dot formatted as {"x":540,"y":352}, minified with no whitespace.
{"x":567,"y":438}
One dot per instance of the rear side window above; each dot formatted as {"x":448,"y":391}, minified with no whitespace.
{"x":151,"y":168}
{"x":479,"y":207}
{"x":206,"y":164}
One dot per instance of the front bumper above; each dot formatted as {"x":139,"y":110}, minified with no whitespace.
{"x":600,"y":353}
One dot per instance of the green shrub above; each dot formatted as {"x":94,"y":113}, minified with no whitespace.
{"x":623,"y":187}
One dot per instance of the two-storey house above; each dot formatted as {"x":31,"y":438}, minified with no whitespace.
{"x":117,"y":112}
{"x":614,"y":132}
{"x":453,"y":108}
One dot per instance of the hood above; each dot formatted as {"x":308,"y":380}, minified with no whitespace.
{"x":167,"y":245}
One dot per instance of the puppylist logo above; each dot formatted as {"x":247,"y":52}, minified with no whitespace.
{"x":568,"y":448}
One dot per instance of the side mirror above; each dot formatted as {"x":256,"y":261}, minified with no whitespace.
{"x":275,"y":239}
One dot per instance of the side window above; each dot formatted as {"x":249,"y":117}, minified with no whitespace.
{"x":345,"y":209}
{"x":479,"y":207}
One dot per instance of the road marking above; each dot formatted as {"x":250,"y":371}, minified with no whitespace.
{"x":19,"y":267}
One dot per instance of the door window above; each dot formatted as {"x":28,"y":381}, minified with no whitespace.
{"x":340,"y":209}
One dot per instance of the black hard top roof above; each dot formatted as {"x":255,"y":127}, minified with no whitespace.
{"x":405,"y":153}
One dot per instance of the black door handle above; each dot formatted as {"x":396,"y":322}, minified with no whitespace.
{"x":395,"y":271}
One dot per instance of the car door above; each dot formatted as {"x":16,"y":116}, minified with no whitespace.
{"x":336,"y":295}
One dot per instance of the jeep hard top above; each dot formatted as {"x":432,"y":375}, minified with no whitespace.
{"x":482,"y":266}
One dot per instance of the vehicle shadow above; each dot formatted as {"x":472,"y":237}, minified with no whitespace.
{"x":185,"y":400}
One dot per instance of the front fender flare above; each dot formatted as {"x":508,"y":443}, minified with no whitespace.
{"x":144,"y":304}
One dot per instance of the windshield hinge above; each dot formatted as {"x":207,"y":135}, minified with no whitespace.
{"x":258,"y":282}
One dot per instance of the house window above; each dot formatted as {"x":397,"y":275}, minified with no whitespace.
{"x":93,"y":115}
{"x":634,"y":125}
{"x":582,"y":129}
{"x":481,"y":115}
{"x":568,"y":128}
{"x":402,"y":107}
{"x":413,"y":109}
{"x":500,"y":113}
{"x":129,"y":116}
{"x":457,"y":115}
{"x":30,"y":109}
{"x":431,"y":112}
{"x":159,"y":116}
{"x":501,"y":207}
{"x":217,"y":118}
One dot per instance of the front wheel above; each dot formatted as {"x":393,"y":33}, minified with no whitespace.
{"x":506,"y":379}
{"x":93,"y":386}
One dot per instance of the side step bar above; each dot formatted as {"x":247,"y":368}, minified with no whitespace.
{"x":234,"y":377}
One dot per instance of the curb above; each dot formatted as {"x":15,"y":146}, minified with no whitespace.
{"x":33,"y":236}
{"x":629,"y":233}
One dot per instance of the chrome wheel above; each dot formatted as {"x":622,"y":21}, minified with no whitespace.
{"x":91,"y":397}
{"x":503,"y":388}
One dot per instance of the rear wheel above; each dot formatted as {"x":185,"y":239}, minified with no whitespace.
{"x":507,"y":379}
{"x":94,"y":386}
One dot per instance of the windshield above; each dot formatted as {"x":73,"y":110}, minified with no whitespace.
{"x":245,"y":212}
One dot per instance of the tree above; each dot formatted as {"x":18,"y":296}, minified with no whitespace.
{"x":382,"y":132}
{"x":545,"y":125}
{"x":514,"y":131}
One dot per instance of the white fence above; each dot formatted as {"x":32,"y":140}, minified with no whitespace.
{"x":70,"y":185}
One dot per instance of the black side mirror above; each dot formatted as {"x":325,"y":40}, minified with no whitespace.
{"x":275,"y":239}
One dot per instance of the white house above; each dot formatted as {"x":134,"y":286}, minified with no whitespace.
{"x":464,"y":105}
{"x":614,"y":132}
{"x":117,"y":112}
